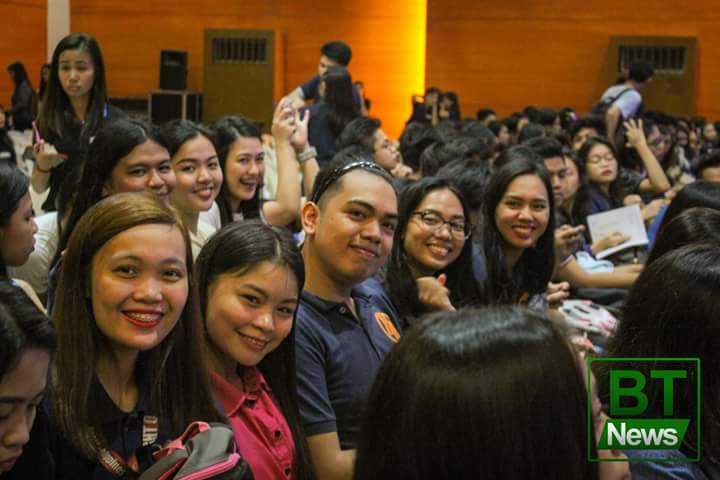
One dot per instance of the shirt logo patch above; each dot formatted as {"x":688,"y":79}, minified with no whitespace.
{"x":387,"y":326}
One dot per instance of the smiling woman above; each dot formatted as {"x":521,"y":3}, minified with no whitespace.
{"x":125,"y":156}
{"x":518,"y":215}
{"x":129,"y":336}
{"x":198,"y":173}
{"x":430,"y":267}
{"x":250,"y":276}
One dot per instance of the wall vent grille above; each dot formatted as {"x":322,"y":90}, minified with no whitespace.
{"x":239,"y":50}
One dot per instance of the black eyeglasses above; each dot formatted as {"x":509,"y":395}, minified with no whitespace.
{"x":339,"y":172}
{"x":459,"y":229}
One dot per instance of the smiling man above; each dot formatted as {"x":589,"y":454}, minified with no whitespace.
{"x":345,"y":322}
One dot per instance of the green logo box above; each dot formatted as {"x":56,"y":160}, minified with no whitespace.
{"x":630,"y":426}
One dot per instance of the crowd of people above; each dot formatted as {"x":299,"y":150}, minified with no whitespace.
{"x":350,"y":305}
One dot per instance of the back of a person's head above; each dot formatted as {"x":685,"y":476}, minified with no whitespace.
{"x":517,"y":152}
{"x":672,"y":311}
{"x":415,"y":138}
{"x":546,"y":116}
{"x":693,"y":225}
{"x":441,"y":153}
{"x":531,"y":130}
{"x":465,"y":394}
{"x":338,"y":51}
{"x":360,"y":131}
{"x":546,"y":147}
{"x":697,"y":194}
{"x":469,"y":177}
{"x":478,"y":131}
{"x":710,"y":160}
{"x":640,"y":72}
{"x":484,"y":113}
{"x":339,"y":99}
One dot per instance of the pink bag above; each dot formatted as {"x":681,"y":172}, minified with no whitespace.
{"x":202,"y":451}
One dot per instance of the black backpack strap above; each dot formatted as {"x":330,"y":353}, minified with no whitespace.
{"x":612,"y":100}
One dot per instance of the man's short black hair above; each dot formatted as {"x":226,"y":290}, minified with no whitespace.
{"x":415,"y":138}
{"x":483,"y":113}
{"x":338,"y":51}
{"x":360,"y":131}
{"x":469,"y":176}
{"x":441,"y":153}
{"x":640,"y":72}
{"x":546,"y":147}
{"x":432,"y":90}
{"x":329,"y":179}
{"x":589,"y":121}
{"x":531,"y":130}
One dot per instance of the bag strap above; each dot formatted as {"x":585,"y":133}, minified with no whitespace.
{"x":118,"y":466}
{"x":616,"y":97}
{"x":179,"y":443}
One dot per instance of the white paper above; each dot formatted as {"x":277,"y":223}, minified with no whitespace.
{"x":626,"y":220}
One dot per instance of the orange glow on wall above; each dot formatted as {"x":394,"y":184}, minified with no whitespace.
{"x":387,"y":38}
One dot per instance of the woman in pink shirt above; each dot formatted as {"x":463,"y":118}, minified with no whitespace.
{"x":250,"y":276}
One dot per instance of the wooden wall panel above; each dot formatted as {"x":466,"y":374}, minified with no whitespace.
{"x":507,"y":55}
{"x":23,"y":24}
{"x":388,"y":41}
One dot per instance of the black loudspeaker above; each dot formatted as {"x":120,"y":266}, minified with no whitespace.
{"x":173,"y":69}
{"x":165,"y":106}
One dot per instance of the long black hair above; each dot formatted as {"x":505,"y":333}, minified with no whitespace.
{"x":224,"y":134}
{"x":694,"y":225}
{"x":234,"y":250}
{"x":339,"y":99}
{"x":399,"y":281}
{"x":19,"y":74}
{"x":698,"y":194}
{"x":673,"y":311}
{"x":617,"y":189}
{"x":168,"y":370}
{"x":14,"y":185}
{"x":533,"y":271}
{"x":458,"y":399}
{"x":114,"y":141}
{"x":56,"y":111}
{"x":22,"y":326}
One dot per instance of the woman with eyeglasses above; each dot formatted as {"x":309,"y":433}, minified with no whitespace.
{"x":430,"y":267}
{"x":612,"y":186}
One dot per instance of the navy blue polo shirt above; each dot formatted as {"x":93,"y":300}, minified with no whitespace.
{"x":338,"y":356}
{"x":59,"y":459}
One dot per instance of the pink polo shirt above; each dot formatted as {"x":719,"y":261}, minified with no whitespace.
{"x":261,"y":431}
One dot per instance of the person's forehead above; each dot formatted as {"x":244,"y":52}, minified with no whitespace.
{"x":368,"y":187}
{"x":555,"y":164}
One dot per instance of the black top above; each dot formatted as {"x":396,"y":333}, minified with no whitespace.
{"x":22,"y":107}
{"x":319,"y":134}
{"x":50,"y":455}
{"x":75,"y":147}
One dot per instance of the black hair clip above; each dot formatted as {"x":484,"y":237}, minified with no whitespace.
{"x":339,"y":172}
